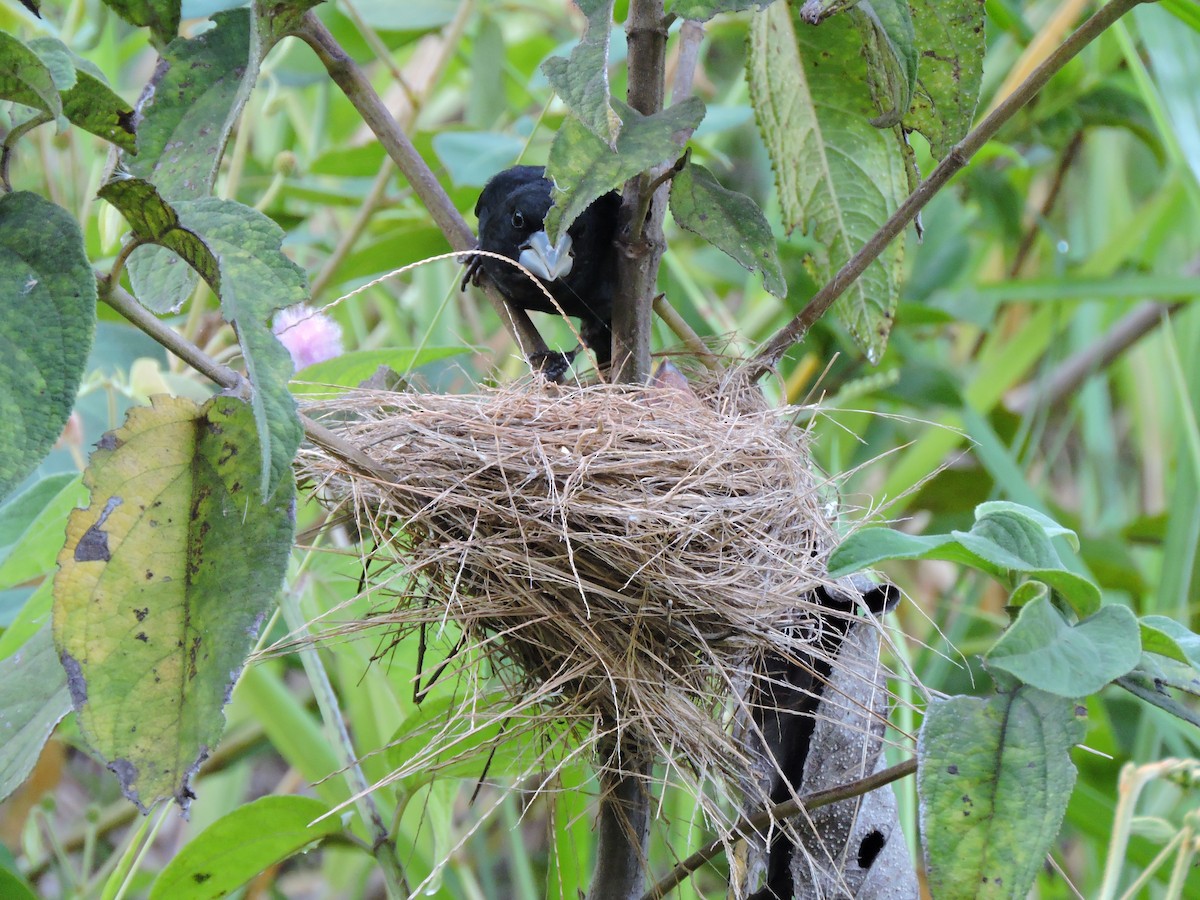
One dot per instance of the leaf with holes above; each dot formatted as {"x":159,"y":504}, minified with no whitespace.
{"x":162,"y":585}
{"x":994,"y":776}
{"x":838,"y":176}
{"x":582,"y":80}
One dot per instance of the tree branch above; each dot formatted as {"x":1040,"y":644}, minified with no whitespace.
{"x":640,"y":247}
{"x":1080,"y":366}
{"x":784,"y":810}
{"x":358,"y":90}
{"x":227,"y":378}
{"x":958,"y":157}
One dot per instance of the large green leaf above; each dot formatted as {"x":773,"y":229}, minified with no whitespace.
{"x":949,"y":34}
{"x":730,"y":221}
{"x":1043,"y":649}
{"x":582,"y":80}
{"x":1008,"y":541}
{"x":838,"y":176}
{"x":994,"y":776}
{"x":47,"y":321}
{"x":33,"y":698}
{"x":889,"y":47}
{"x":583,"y":167}
{"x":186,"y":115}
{"x":236,"y":847}
{"x":162,"y":585}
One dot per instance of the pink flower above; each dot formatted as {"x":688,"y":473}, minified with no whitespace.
{"x":309,"y":335}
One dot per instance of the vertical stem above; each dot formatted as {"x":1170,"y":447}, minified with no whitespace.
{"x":640,"y":247}
{"x":623,"y":820}
{"x":623,"y":824}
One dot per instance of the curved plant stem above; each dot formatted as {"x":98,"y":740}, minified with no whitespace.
{"x":958,"y":157}
{"x":358,"y":90}
{"x":10,"y":141}
{"x":176,"y":344}
{"x":783,"y":810}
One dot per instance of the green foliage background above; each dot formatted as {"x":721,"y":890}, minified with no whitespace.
{"x":1069,"y":243}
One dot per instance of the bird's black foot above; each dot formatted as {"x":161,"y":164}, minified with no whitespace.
{"x":552,"y":364}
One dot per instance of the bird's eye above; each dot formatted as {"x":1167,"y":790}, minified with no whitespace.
{"x":518,"y":220}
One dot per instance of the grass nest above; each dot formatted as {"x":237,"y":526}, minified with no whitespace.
{"x":625,"y":557}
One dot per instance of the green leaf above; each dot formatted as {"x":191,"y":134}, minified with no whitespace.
{"x":160,"y":16}
{"x":1043,"y":649}
{"x":1008,"y":541}
{"x":49,"y":291}
{"x":162,"y":585}
{"x":993,"y":778}
{"x":155,"y":221}
{"x":187,"y":113}
{"x":1167,"y":637}
{"x":472,"y":157}
{"x":582,"y":80}
{"x":58,"y":58}
{"x":703,"y":10}
{"x":12,"y":885}
{"x":950,"y":36}
{"x":236,"y":847}
{"x":33,"y":699}
{"x":838,"y":177}
{"x":351,"y":369}
{"x":583,"y":167}
{"x":36,"y":531}
{"x":96,"y":108}
{"x":890,"y":47}
{"x":730,"y":221}
{"x":256,"y":279}
{"x":25,"y":78}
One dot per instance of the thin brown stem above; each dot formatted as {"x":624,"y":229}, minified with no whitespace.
{"x":1070,"y":375}
{"x":958,"y":157}
{"x":427,"y":69}
{"x":358,"y":90}
{"x":785,"y":810}
{"x":10,"y":141}
{"x":1035,"y":227}
{"x":682,"y":330}
{"x":641,"y":246}
{"x":227,"y":378}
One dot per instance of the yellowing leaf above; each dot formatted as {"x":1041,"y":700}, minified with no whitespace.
{"x":162,"y":585}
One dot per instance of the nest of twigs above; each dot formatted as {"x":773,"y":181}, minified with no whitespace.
{"x":625,"y":556}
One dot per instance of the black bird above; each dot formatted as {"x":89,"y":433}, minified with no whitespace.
{"x":580,"y":273}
